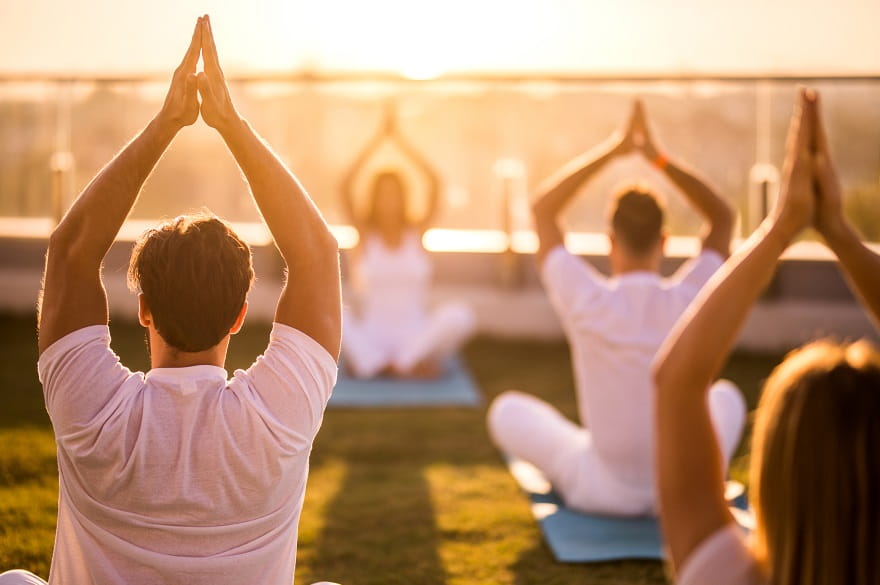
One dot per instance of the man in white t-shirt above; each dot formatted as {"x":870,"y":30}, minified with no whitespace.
{"x":614,"y":327}
{"x":183,"y":475}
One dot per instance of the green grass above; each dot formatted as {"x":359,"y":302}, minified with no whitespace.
{"x":393,"y":497}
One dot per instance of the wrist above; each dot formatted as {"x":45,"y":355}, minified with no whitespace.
{"x":836,"y":231}
{"x":163,"y":127}
{"x":782,"y":229}
{"x":613,"y":145}
{"x":658,"y":160}
{"x":232,"y":127}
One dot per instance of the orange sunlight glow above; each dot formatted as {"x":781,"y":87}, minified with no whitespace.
{"x":418,"y":40}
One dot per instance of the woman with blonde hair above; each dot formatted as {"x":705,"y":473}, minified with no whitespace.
{"x":815,"y":470}
{"x":393,"y":332}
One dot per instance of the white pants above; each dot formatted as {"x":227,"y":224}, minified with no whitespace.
{"x":368,"y":349}
{"x":528,"y":428}
{"x":19,"y":577}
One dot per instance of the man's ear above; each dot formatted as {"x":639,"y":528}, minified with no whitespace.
{"x":662,"y":243}
{"x":612,"y":241}
{"x":239,"y":321}
{"x":144,"y":316}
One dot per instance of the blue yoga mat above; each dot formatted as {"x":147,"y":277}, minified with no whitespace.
{"x":575,"y":537}
{"x":454,"y":388}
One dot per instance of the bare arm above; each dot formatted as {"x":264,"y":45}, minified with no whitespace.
{"x":690,"y":475}
{"x":703,"y":197}
{"x":560,"y":189}
{"x":311,"y":299}
{"x":73,"y":294}
{"x":348,"y":184}
{"x":861,"y":265}
{"x":433,"y":180}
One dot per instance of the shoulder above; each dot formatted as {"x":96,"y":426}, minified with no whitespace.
{"x":724,"y":558}
{"x":81,"y":376}
{"x":413,"y":238}
{"x":80,"y":345}
{"x":293,"y":341}
{"x":292,"y":358}
{"x":710,"y":257}
{"x":290,"y":384}
{"x":561,"y":267}
{"x":695,"y":272}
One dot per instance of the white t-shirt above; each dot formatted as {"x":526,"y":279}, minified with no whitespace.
{"x":615,"y":327}
{"x":180,"y":476}
{"x":722,"y":559}
{"x":392,"y":286}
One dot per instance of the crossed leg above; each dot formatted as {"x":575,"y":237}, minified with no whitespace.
{"x":528,"y":428}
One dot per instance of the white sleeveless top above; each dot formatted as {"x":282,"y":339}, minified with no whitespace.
{"x":392,"y":283}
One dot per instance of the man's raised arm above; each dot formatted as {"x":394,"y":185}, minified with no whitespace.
{"x":562,"y":186}
{"x":73,"y":295}
{"x":708,"y":203}
{"x":311,"y":298}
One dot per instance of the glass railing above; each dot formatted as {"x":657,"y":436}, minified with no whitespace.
{"x":492,"y":140}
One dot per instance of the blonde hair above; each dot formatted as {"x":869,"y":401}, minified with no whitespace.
{"x":815,"y":467}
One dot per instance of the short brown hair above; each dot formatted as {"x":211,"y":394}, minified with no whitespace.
{"x":816,"y":467}
{"x":637,"y":219}
{"x":194,"y":272}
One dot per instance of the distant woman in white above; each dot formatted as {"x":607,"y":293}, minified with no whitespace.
{"x":393,"y":332}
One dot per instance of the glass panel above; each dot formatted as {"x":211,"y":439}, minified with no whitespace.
{"x":492,"y":142}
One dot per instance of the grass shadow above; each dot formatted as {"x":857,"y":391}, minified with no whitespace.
{"x":378,"y":529}
{"x":536,"y":565}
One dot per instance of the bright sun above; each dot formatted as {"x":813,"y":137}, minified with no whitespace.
{"x":419,"y":40}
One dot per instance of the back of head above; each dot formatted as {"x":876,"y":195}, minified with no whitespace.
{"x":194,"y":273}
{"x":816,"y":467}
{"x":637,"y":220}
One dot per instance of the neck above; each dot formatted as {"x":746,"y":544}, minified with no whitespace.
{"x":624,"y":265}
{"x":164,"y":356}
{"x":391,"y":234}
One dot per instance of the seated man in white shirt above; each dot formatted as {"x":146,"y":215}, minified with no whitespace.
{"x":614,"y":327}
{"x":182,"y":475}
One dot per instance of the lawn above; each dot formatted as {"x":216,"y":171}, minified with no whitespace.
{"x":415,"y":497}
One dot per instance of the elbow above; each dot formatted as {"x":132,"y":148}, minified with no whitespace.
{"x":59,"y":239}
{"x":319,"y":248}
{"x":540,"y":210}
{"x":66,"y":252}
{"x":329,"y":243}
{"x":661,"y":372}
{"x":658,"y":374}
{"x":724,"y":216}
{"x":63,"y":244}
{"x":326,"y":247}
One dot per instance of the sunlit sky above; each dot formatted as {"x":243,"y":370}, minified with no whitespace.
{"x":424,"y":38}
